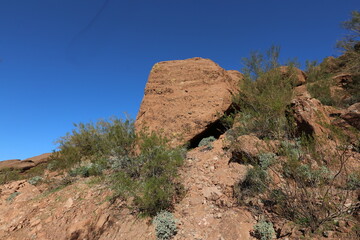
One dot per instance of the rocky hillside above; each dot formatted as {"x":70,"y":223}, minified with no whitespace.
{"x":274,"y":154}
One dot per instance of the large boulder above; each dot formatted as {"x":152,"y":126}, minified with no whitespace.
{"x":310,"y":115}
{"x":246,"y":148}
{"x":352,"y":115}
{"x":329,"y":125}
{"x":183,"y":98}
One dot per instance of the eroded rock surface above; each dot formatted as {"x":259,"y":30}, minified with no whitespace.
{"x":184,"y":97}
{"x":209,"y":210}
{"x":26,"y":164}
{"x":352,"y":115}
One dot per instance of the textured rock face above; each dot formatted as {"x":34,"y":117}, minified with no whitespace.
{"x":249,"y":147}
{"x":24,"y":164}
{"x":184,"y":97}
{"x":352,"y":115}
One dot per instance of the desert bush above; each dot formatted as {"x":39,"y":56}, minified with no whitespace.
{"x":353,"y":181}
{"x":264,"y":230}
{"x":35,"y":180}
{"x":13,"y":196}
{"x":143,"y":166}
{"x":111,"y":139}
{"x":291,"y":149}
{"x":255,"y":182}
{"x":321,"y":91}
{"x":306,"y":191}
{"x":266,"y":160}
{"x":353,"y":88}
{"x":91,"y":169}
{"x":150,"y":177}
{"x":207,"y":142}
{"x":165,"y":225}
{"x":319,"y":82}
{"x":8,"y":175}
{"x":312,"y":196}
{"x":265,"y":95}
{"x":350,"y":43}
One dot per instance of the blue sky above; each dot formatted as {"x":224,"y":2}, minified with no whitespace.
{"x":70,"y":61}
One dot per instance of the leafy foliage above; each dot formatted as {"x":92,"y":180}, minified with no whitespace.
{"x":8,"y":175}
{"x":207,"y":142}
{"x":350,"y":42}
{"x":353,"y":181}
{"x":143,"y":167}
{"x":13,"y":196}
{"x":35,"y":180}
{"x":298,"y":184}
{"x":264,"y":230}
{"x":165,"y":225}
{"x":265,"y":95}
{"x":255,"y":182}
{"x":150,"y":177}
{"x":92,"y":169}
{"x":95,"y":142}
{"x":266,"y":160}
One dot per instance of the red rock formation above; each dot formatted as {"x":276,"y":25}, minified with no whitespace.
{"x":24,"y":164}
{"x":184,"y":97}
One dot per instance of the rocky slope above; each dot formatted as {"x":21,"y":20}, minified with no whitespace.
{"x":81,"y":210}
{"x":185,"y":99}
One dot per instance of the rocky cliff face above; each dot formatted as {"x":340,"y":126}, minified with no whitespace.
{"x":183,"y":98}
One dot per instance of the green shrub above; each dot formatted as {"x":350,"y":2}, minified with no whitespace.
{"x":255,"y":182}
{"x":12,"y":196}
{"x":8,"y":175}
{"x":265,"y":95}
{"x":35,"y":180}
{"x":207,"y":142}
{"x":144,"y":168}
{"x":165,"y":225}
{"x":350,"y":43}
{"x":353,"y":181}
{"x":264,"y":230}
{"x":321,"y":91}
{"x":92,"y":142}
{"x":150,"y":177}
{"x":88,"y":170}
{"x":305,"y":175}
{"x":290,"y":149}
{"x":266,"y":160}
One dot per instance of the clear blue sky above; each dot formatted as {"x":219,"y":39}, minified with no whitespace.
{"x":70,"y":61}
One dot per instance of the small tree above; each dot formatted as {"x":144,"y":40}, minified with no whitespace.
{"x":265,"y":95}
{"x":351,"y":40}
{"x":350,"y":44}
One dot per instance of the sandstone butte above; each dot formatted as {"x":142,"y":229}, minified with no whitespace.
{"x":184,"y":98}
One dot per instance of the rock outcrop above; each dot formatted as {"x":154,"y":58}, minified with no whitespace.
{"x":183,"y":98}
{"x":247,"y":147}
{"x":26,"y":164}
{"x":352,"y":115}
